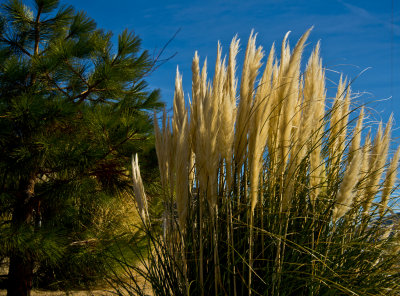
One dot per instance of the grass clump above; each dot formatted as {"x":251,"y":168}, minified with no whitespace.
{"x":269,"y":189}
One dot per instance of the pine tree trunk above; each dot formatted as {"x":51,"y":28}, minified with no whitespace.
{"x":20,"y":272}
{"x":20,"y":276}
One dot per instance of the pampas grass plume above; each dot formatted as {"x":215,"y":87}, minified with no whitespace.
{"x":345,"y":194}
{"x":390,"y":179}
{"x":138,"y":187}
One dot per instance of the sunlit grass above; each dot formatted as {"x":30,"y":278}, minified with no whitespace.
{"x":270,"y":190}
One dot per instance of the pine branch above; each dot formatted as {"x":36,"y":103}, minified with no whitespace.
{"x":90,"y":241}
{"x":76,"y":73}
{"x":91,"y":88}
{"x":129,"y":137}
{"x":57,"y":86}
{"x":37,"y":31}
{"x":16,"y":44}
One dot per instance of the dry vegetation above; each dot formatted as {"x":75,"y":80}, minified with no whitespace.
{"x":270,"y":188}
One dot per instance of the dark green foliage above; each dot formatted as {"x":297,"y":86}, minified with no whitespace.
{"x":73,"y":109}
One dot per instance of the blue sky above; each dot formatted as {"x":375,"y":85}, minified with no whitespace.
{"x":354,"y":35}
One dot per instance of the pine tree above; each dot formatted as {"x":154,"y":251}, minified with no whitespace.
{"x":73,"y":109}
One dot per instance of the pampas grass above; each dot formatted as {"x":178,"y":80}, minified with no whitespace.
{"x":140,"y":195}
{"x":344,"y":198}
{"x":276,"y":191}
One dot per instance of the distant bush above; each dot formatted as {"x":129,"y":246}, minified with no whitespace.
{"x":89,"y":260}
